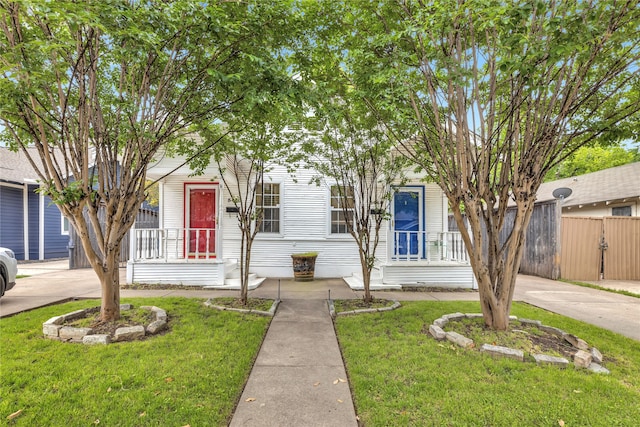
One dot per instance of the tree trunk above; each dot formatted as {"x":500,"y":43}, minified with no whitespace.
{"x":245,"y":261}
{"x":110,"y":282}
{"x":496,"y":266}
{"x":366,"y":281}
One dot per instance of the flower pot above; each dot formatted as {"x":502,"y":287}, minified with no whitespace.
{"x":304,"y":266}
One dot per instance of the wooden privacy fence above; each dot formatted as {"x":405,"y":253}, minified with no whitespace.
{"x":541,"y":252}
{"x":146,"y":218}
{"x":600,"y":247}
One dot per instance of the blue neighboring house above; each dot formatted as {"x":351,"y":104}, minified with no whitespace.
{"x":30,"y":224}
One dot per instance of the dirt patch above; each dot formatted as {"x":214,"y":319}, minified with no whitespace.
{"x":522,"y":336}
{"x":76,"y":326}
{"x":151,"y":286}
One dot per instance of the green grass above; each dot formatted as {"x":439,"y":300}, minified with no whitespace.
{"x":192,"y":375}
{"x":601,"y":288}
{"x":400,"y":375}
{"x":252,"y":303}
{"x":22,"y":276}
{"x":358,"y":304}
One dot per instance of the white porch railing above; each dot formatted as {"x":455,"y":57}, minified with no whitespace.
{"x":163,"y":244}
{"x":426,"y":247}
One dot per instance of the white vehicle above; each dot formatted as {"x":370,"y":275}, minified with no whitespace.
{"x":8,"y":270}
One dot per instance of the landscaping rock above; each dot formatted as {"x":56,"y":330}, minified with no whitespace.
{"x":582,"y":359}
{"x":441,"y":322}
{"x":160,"y":314}
{"x":51,"y":330}
{"x":598,"y":369}
{"x":58,"y":320}
{"x":530,"y":322}
{"x":129,"y":333}
{"x":96,"y":339}
{"x":367,"y":310}
{"x":437,"y":332}
{"x":73,"y":334}
{"x":596,"y":355}
{"x":544,"y":359}
{"x":454,"y":316}
{"x":156,"y":326}
{"x":473,"y":315}
{"x":125,"y":307}
{"x":74,"y":315}
{"x":498,"y":351}
{"x":576,"y":342}
{"x":459,"y":340}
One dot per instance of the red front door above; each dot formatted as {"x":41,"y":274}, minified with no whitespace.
{"x":202,"y":222}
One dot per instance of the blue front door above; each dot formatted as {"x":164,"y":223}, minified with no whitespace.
{"x":407,"y":223}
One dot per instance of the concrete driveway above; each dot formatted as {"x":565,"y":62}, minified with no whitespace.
{"x":608,"y":310}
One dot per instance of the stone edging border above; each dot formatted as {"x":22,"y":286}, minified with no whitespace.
{"x":270,"y":313}
{"x":332,"y":309}
{"x":55,"y":329}
{"x":585,"y":357}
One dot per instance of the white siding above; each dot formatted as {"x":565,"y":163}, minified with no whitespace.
{"x":434,"y":274}
{"x":182,"y":273}
{"x":304,"y":228}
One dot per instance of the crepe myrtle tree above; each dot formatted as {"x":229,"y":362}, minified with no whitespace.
{"x":487,"y":97}
{"x":98,"y":87}
{"x":361,"y":172}
{"x":342,"y":140}
{"x":244,"y":157}
{"x":355,"y":157}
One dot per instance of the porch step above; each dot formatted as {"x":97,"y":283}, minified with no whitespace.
{"x":234,"y":282}
{"x":355,"y":282}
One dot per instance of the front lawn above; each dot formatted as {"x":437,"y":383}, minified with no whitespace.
{"x":400,"y":375}
{"x":192,"y":375}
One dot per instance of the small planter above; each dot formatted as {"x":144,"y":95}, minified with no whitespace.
{"x":304,"y":266}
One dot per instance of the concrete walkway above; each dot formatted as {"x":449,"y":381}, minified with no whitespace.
{"x":299,"y":376}
{"x":299,"y":373}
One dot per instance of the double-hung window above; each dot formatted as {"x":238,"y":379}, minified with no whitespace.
{"x":268,"y":205}
{"x":342,"y":206}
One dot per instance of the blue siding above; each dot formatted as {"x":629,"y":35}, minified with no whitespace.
{"x":55,"y":243}
{"x":11,"y":220}
{"x":34,"y":222}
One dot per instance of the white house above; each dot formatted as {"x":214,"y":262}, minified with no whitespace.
{"x":198,"y":239}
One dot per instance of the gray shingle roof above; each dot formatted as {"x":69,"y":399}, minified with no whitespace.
{"x":614,"y":184}
{"x":15,"y":167}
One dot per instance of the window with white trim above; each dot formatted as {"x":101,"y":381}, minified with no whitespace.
{"x":268,"y":202}
{"x":64,"y":225}
{"x":341,"y":196}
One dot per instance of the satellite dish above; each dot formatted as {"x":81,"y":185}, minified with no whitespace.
{"x":562,"y":193}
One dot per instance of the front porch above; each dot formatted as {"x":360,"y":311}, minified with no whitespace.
{"x":413,"y":258}
{"x":420,"y":259}
{"x":166,"y":256}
